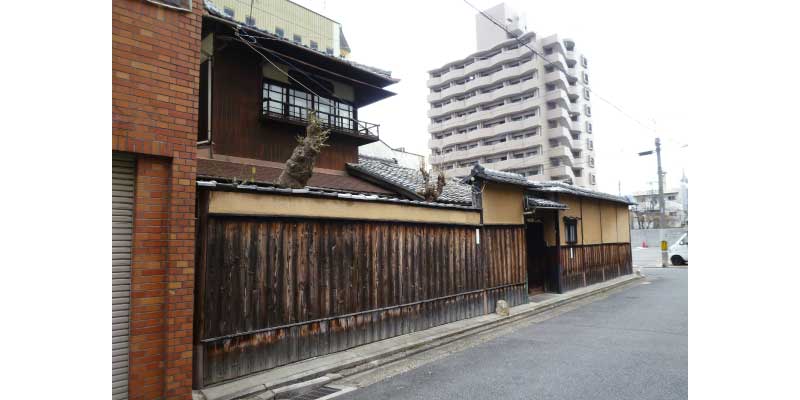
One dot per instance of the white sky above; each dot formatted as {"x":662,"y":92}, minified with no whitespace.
{"x":629,"y":44}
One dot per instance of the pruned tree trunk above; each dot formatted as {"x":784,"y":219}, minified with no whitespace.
{"x":431,"y":191}
{"x":300,"y":165}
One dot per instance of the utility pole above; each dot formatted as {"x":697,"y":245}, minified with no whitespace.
{"x":660,"y":185}
{"x":661,"y":208}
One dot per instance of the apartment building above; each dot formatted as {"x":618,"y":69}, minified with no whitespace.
{"x":510,"y":109}
{"x":288,"y":20}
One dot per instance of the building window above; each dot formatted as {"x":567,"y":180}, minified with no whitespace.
{"x":295,"y":104}
{"x":585,"y":77}
{"x":297,"y":38}
{"x":250,"y":21}
{"x":584,"y":62}
{"x":588,"y":110}
{"x":229,"y":12}
{"x":274,"y":98}
{"x":279,"y":32}
{"x":670,"y":197}
{"x":590,"y":144}
{"x":593,"y":179}
{"x":588,"y":127}
{"x":586,"y":93}
{"x":571,"y":230}
{"x":314,"y":45}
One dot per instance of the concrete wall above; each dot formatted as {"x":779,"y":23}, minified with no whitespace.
{"x":502,"y":204}
{"x":652,"y":236}
{"x":381,"y":149}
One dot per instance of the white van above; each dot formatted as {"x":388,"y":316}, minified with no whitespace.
{"x":679,"y":251}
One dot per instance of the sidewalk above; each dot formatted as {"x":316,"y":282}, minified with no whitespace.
{"x":371,"y":354}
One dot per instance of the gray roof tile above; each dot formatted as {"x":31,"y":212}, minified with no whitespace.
{"x":409,"y":180}
{"x":536,"y":202}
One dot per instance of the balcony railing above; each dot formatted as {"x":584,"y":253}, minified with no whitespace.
{"x":294,"y":106}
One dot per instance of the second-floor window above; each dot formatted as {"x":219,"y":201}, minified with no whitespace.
{"x":296,"y":103}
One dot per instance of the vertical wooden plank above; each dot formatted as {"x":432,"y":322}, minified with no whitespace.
{"x":276,"y":273}
{"x":301,"y":267}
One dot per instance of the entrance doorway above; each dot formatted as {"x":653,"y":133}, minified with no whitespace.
{"x":537,"y":257}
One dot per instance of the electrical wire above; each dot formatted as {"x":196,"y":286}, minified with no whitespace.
{"x":252,"y":39}
{"x":562,"y":69}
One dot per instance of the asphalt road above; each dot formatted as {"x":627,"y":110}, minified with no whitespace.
{"x":632,"y":344}
{"x":647,"y":257}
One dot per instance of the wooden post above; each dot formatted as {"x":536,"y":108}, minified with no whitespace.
{"x":559,"y":267}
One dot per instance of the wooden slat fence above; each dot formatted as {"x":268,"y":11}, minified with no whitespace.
{"x":276,"y":291}
{"x":589,"y":264}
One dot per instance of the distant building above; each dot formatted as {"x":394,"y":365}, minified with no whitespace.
{"x":400,"y":156}
{"x":512,"y":110}
{"x":290,"y":21}
{"x":645,"y":214}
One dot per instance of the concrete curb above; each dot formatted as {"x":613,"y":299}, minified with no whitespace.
{"x":361,"y":362}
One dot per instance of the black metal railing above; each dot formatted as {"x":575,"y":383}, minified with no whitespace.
{"x":293,"y":105}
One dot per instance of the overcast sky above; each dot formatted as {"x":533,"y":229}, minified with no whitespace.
{"x":630,"y":45}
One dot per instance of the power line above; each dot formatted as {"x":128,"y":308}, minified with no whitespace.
{"x":562,"y":69}
{"x":239,"y":34}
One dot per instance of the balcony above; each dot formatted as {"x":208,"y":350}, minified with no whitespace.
{"x":484,"y":115}
{"x":508,"y":147}
{"x":483,"y":81}
{"x":334,"y":117}
{"x":505,"y":56}
{"x":485,"y":133}
{"x":505,"y":91}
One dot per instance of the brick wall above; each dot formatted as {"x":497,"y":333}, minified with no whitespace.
{"x":155,"y":76}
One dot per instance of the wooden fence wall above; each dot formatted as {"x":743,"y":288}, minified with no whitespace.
{"x":589,"y":264}
{"x":276,"y":291}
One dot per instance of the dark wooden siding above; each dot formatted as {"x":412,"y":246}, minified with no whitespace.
{"x":237,"y":128}
{"x":590,"y":264}
{"x":281,"y":290}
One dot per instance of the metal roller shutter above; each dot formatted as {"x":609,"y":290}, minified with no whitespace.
{"x":123,"y":172}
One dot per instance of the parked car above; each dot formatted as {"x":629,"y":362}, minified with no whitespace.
{"x":679,"y":251}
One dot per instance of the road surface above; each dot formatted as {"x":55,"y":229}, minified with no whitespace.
{"x":632,"y":344}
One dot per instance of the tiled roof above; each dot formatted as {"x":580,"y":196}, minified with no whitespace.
{"x":325,"y":193}
{"x":407,"y":180}
{"x":536,"y":202}
{"x":493,"y":175}
{"x":212,"y":9}
{"x":561,"y":187}
{"x":224,"y":170}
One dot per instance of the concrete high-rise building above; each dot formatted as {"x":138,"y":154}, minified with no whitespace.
{"x":510,"y":109}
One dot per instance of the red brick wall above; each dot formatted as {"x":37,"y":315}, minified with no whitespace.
{"x":155,"y":76}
